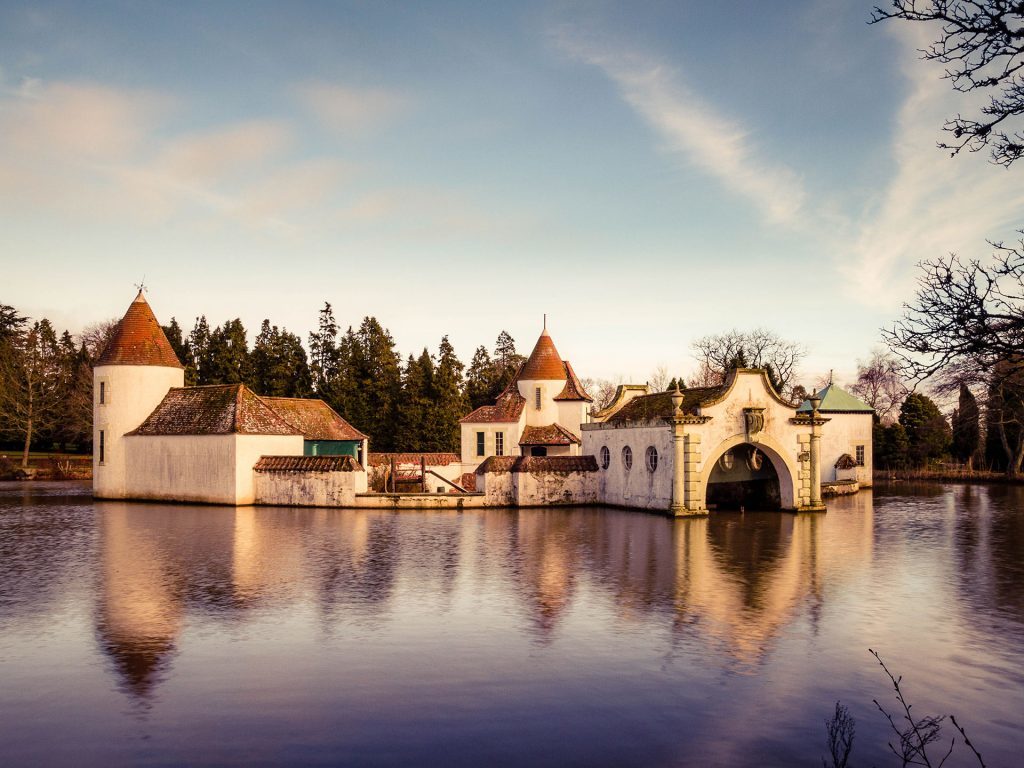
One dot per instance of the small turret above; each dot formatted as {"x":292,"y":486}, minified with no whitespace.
{"x":130,"y":379}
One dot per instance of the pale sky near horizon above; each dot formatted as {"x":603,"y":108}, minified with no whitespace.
{"x":644,"y":173}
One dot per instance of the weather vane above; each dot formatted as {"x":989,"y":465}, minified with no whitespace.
{"x":142,"y":284}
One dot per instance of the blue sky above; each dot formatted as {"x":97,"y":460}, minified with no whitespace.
{"x":645,"y":173}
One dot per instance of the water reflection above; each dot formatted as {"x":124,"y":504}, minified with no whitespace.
{"x":496,"y":626}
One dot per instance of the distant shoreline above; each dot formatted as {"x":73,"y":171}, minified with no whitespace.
{"x":946,"y":476}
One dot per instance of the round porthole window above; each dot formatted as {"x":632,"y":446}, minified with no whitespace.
{"x":652,"y":458}
{"x":627,"y":457}
{"x":606,"y":457}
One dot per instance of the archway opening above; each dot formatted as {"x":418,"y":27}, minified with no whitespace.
{"x":744,"y":478}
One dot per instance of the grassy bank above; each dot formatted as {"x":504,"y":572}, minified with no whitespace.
{"x":946,"y":475}
{"x":47,"y":466}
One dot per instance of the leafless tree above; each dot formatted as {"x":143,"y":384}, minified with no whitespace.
{"x":659,"y":379}
{"x":96,"y":336}
{"x":759,"y":348}
{"x":879,"y":384}
{"x":981,"y":42}
{"x":706,"y":376}
{"x":602,"y":390}
{"x":967,"y":317}
{"x":841,"y":728}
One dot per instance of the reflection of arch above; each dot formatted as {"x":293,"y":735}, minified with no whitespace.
{"x":783,"y":465}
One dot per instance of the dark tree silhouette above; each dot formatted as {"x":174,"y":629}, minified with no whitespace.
{"x":981,"y":42}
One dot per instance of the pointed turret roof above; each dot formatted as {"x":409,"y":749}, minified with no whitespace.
{"x":544,"y":362}
{"x":139,"y":340}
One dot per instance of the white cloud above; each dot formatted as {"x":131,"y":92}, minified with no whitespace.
{"x":351,"y":110}
{"x":933,"y":204}
{"x":692,"y":127}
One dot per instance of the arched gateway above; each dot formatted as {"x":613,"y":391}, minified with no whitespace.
{"x":717,"y":446}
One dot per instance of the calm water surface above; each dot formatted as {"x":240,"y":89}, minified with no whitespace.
{"x":166,"y":635}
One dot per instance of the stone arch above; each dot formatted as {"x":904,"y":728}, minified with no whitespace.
{"x":785,"y":466}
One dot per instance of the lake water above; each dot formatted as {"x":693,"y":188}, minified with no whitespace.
{"x":143,"y":634}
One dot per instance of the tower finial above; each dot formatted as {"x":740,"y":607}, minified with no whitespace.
{"x":545,"y":321}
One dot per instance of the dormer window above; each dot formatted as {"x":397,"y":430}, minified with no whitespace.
{"x":537,"y":392}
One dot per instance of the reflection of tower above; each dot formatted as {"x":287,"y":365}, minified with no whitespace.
{"x":130,"y":379}
{"x":546,"y":559}
{"x":140,"y":607}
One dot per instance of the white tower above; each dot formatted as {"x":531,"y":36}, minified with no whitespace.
{"x":130,"y":379}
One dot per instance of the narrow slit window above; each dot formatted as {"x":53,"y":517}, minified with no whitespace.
{"x":103,"y":392}
{"x":537,"y":396}
{"x":103,"y":446}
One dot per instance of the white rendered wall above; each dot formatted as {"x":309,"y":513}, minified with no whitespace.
{"x":843,"y":433}
{"x":571,"y":414}
{"x":548,"y":412}
{"x":542,"y":489}
{"x":511,"y":429}
{"x":636,"y":487}
{"x":131,"y":393}
{"x":248,"y":449}
{"x":197,"y":468}
{"x":213,"y":469}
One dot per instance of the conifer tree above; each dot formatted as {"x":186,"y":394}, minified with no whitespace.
{"x":480,"y":378}
{"x":928,"y":432}
{"x":323,"y":350}
{"x":278,"y":364}
{"x":966,"y":427}
{"x":228,"y":355}
{"x":199,"y":351}
{"x":416,"y":406}
{"x":450,"y":402}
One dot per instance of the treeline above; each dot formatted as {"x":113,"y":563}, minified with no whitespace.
{"x":406,"y":404}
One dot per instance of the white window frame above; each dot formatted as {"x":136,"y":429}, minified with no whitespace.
{"x":627,"y":457}
{"x":606,"y":457}
{"x":499,"y":443}
{"x":651,"y":458}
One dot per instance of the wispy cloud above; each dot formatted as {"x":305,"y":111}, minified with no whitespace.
{"x":88,"y":150}
{"x":933,"y":204}
{"x":348,"y":110}
{"x":690,"y":126}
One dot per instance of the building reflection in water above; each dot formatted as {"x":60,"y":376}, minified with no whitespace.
{"x":731,"y":581}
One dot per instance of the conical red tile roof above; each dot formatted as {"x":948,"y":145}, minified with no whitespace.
{"x":139,"y":340}
{"x":544,"y":362}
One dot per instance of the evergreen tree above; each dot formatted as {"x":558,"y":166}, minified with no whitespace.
{"x":506,"y":364}
{"x":891,"y":446}
{"x":278,"y":366}
{"x":228,"y":355}
{"x":416,"y":406}
{"x":480,"y":379}
{"x":927,"y":430}
{"x":966,"y":427}
{"x":323,"y":351}
{"x":450,"y":401}
{"x":199,"y":352}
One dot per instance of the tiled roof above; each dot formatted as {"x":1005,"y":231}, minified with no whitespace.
{"x":552,"y":434}
{"x":307,"y":464}
{"x":432,"y":459}
{"x":659,"y":405}
{"x":499,"y":464}
{"x":139,"y":340}
{"x":573,"y":389}
{"x":836,"y":400}
{"x":544,"y":362}
{"x":314,"y":418}
{"x":508,"y":407}
{"x":214,"y":410}
{"x":468,"y":481}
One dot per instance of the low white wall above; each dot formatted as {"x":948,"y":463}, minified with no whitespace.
{"x":636,"y":487}
{"x":498,"y":488}
{"x":536,"y":489}
{"x":308,"y":489}
{"x":248,"y":449}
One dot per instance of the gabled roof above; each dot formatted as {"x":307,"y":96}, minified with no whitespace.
{"x":222,"y":409}
{"x":659,"y":405}
{"x":507,"y":408}
{"x":544,"y":362}
{"x":573,"y":389}
{"x":836,"y":400}
{"x":315,"y":419}
{"x":552,"y":434}
{"x":139,"y":340}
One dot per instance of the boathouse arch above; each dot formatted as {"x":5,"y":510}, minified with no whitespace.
{"x":784,"y":466}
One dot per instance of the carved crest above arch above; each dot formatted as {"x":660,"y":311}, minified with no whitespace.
{"x":753,"y":419}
